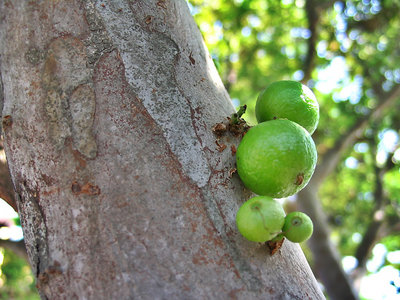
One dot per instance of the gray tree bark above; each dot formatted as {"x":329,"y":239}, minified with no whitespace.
{"x":122,"y":192}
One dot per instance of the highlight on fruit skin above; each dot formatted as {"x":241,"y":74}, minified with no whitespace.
{"x":298,"y":227}
{"x":276,"y":158}
{"x":287,"y":99}
{"x":260,"y":219}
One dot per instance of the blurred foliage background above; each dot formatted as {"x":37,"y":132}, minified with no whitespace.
{"x":16,"y":279}
{"x":348,"y":53}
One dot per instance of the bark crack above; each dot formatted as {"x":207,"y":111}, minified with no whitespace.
{"x":34,"y":225}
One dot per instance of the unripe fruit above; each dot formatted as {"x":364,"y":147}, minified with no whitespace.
{"x":260,"y":219}
{"x":287,"y":99}
{"x":298,"y":227}
{"x":276,"y":158}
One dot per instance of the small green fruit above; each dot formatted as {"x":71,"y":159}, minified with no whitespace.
{"x":298,"y":227}
{"x":290,"y":100}
{"x":260,"y":219}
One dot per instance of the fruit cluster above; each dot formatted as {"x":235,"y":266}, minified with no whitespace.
{"x":276,"y":159}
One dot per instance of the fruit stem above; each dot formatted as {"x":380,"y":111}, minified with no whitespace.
{"x":241,"y":111}
{"x":235,"y":118}
{"x":278,"y":238}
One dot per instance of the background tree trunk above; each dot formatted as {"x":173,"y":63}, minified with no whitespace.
{"x":108,"y":110}
{"x":326,"y":259}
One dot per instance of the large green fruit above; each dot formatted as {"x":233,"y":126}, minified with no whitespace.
{"x":290,"y":100}
{"x":260,"y":219}
{"x":276,"y":158}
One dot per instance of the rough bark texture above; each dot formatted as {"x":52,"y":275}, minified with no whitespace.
{"x":108,"y":109}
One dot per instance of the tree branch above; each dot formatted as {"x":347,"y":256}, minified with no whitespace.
{"x":331,"y":158}
{"x":312,"y":18}
{"x":370,"y":236}
{"x":377,"y":216}
{"x":326,"y":261}
{"x":313,"y":11}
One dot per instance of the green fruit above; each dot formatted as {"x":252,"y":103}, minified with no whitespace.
{"x":276,"y":158}
{"x":288,"y":100}
{"x":260,"y":219}
{"x":298,"y":227}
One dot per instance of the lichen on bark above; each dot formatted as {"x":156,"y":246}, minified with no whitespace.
{"x":70,"y":101}
{"x":98,"y":41}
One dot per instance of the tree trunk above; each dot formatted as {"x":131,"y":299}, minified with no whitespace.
{"x":326,"y":259}
{"x":108,"y":110}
